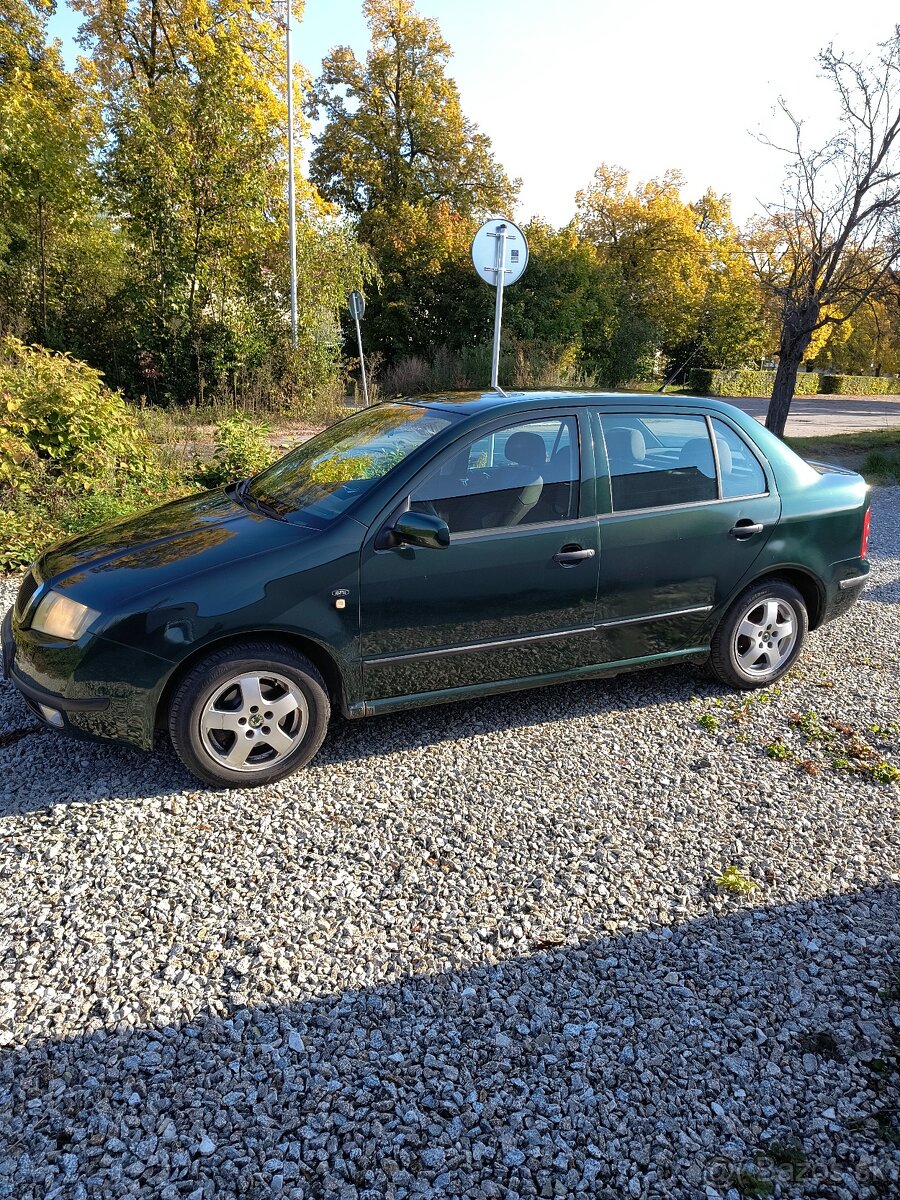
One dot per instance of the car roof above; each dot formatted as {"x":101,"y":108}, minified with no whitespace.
{"x":477,"y":402}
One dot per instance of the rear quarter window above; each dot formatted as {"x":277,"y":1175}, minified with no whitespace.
{"x":740,"y":470}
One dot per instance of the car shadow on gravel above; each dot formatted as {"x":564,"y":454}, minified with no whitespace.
{"x":39,"y":768}
{"x":753,"y":1048}
{"x":530,"y":708}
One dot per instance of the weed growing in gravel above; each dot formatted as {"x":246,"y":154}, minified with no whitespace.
{"x":884,"y":772}
{"x":733,"y":880}
{"x":709,"y":722}
{"x":890,"y":993}
{"x":779,"y":750}
{"x":883,"y":1123}
{"x":787,"y":1154}
{"x":821,"y":1042}
{"x":886,"y":1123}
{"x":752,"y":1186}
{"x":845,"y":749}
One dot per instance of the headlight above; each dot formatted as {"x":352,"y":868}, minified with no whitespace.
{"x":61,"y":617}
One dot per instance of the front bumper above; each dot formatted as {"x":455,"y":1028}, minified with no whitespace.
{"x":92,"y":699}
{"x":52,"y":708}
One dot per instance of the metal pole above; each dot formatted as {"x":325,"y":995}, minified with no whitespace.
{"x":292,"y":208}
{"x":362,"y":361}
{"x":500,"y":269}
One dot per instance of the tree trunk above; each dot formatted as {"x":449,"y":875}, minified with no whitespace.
{"x":42,"y":253}
{"x":790,"y":355}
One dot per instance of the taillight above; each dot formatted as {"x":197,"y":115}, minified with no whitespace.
{"x":864,"y":547}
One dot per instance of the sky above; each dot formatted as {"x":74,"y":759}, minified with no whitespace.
{"x":562,"y":86}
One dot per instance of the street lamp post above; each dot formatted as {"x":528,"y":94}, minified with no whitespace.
{"x":292,"y":204}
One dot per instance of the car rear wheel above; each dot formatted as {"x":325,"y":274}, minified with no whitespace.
{"x":760,"y":636}
{"x":249,"y":715}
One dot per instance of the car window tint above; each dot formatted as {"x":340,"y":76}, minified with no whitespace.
{"x":523,"y":474}
{"x":738,"y":466}
{"x":658,"y":460}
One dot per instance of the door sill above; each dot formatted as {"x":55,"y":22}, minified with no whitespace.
{"x":374,"y":708}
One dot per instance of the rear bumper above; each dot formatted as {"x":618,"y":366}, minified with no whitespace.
{"x":846,"y":588}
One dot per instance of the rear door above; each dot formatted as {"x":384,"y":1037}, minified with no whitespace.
{"x":513,"y":595}
{"x":689,"y":506}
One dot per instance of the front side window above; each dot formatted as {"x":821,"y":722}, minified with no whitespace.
{"x":738,"y":466}
{"x":321,"y":479}
{"x":655,"y":461}
{"x":523,"y":474}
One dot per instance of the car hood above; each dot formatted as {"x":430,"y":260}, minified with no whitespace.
{"x":172,"y":542}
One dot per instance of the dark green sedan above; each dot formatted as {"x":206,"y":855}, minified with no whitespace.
{"x":438,"y":549}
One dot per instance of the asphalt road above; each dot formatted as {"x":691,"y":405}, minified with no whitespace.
{"x":818,"y":416}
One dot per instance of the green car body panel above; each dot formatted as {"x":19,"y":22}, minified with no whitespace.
{"x":392,"y":627}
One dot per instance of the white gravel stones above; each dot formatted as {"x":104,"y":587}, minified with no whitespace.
{"x":475,"y":951}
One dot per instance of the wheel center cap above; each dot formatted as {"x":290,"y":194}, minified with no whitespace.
{"x":255,"y":721}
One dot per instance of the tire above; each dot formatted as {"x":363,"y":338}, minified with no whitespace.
{"x":759,"y":638}
{"x":249,"y":715}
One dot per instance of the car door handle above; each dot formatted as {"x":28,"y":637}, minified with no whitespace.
{"x":570,"y":555}
{"x":744,"y":529}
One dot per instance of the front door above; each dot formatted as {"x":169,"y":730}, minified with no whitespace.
{"x":691,"y":507}
{"x":513,"y":595}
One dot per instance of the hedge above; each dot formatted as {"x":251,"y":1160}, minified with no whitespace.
{"x":858,"y":385}
{"x":708,"y":382}
{"x":747,"y":382}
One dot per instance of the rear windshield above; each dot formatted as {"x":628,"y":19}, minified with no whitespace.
{"x":320,"y":480}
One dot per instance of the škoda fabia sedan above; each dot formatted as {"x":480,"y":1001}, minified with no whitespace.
{"x":438,"y":549}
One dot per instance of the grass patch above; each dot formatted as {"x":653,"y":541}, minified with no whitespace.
{"x":875,"y":453}
{"x":787,"y":1154}
{"x":882,"y":467}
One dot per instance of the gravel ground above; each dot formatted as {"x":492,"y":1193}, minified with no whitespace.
{"x":474,"y":951}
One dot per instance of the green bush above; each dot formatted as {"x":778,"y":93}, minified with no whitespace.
{"x":747,"y":382}
{"x":72,"y":455}
{"x":241,"y":449}
{"x":858,"y":385}
{"x":32,"y":520}
{"x":23,"y":535}
{"x":56,"y":411}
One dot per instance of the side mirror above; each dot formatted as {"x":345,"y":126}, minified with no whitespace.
{"x":421,"y":529}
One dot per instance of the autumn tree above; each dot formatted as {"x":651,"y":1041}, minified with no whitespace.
{"x":46,"y":177}
{"x":833,"y":237}
{"x":681,"y":279}
{"x":395,"y":132}
{"x":195,"y":172}
{"x":399,"y":156}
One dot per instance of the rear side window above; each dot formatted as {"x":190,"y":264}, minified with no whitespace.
{"x":739,"y":468}
{"x":655,"y":461}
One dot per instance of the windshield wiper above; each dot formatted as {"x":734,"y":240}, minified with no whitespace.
{"x":249,"y":501}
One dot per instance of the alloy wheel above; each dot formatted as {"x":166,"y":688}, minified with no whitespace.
{"x":766,"y":636}
{"x":252,"y":722}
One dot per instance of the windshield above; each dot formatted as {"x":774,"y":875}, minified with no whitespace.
{"x":324,"y":476}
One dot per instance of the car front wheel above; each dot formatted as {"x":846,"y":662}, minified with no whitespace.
{"x":249,"y":715}
{"x":760,"y":636}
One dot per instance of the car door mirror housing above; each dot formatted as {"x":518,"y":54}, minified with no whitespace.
{"x":421,"y":529}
